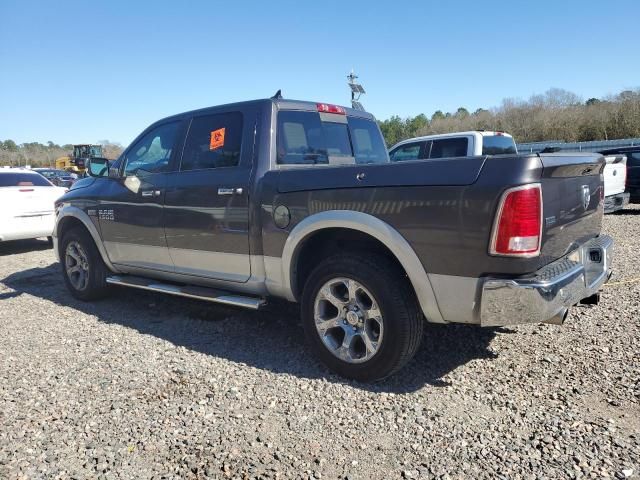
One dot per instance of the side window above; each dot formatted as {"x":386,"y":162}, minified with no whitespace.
{"x":449,"y":147}
{"x":213,"y":141}
{"x":152,"y":152}
{"x":409,"y":151}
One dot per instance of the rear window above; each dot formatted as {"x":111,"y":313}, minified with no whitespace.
{"x":23,"y":180}
{"x":449,"y":147}
{"x":498,"y":145}
{"x":303,"y":138}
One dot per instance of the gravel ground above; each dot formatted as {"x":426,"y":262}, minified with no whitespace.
{"x":148,"y":386}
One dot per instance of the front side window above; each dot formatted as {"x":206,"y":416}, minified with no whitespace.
{"x":449,"y":147}
{"x":409,"y":151}
{"x":152,"y":152}
{"x":213,"y":141}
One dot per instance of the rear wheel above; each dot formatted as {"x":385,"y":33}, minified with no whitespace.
{"x":361,"y":317}
{"x":83,"y":270}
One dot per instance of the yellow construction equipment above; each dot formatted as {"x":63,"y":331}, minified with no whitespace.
{"x":77,"y":161}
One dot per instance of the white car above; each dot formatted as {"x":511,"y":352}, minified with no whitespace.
{"x":26,"y":204}
{"x":459,"y":144}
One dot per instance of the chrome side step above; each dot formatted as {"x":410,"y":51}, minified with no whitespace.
{"x":199,"y":293}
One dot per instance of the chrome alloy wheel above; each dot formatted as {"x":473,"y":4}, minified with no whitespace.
{"x":76,"y":265}
{"x":348,"y":320}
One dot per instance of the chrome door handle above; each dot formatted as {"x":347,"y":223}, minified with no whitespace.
{"x":230,"y":191}
{"x":150,"y":193}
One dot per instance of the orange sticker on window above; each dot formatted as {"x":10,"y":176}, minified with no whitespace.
{"x":217,"y":139}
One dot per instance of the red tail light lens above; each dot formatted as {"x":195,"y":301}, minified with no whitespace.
{"x":517,"y":230}
{"x":327,"y":108}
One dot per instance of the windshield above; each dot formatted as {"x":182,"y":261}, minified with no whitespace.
{"x":304,"y":138}
{"x":95,"y":151}
{"x":498,"y":145}
{"x":23,"y":179}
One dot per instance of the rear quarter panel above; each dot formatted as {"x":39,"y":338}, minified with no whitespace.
{"x":444,"y":208}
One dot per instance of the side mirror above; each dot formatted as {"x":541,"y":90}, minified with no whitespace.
{"x":98,"y":167}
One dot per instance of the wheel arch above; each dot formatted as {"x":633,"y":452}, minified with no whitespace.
{"x":371,"y":228}
{"x":72,"y":217}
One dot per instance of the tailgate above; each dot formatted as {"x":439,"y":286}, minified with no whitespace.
{"x":572,"y":190}
{"x":615,"y":174}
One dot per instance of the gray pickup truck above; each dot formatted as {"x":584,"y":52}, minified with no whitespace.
{"x":240,"y":203}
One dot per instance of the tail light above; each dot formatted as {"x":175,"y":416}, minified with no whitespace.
{"x":517,"y":230}
{"x":327,"y":108}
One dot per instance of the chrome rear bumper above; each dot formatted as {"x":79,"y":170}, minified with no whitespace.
{"x":551,"y":290}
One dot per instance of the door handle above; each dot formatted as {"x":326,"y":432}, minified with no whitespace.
{"x":150,"y":193}
{"x":230,"y":191}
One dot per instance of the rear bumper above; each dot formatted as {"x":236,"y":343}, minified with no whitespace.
{"x":551,"y":290}
{"x":25,"y":227}
{"x":616,"y":202}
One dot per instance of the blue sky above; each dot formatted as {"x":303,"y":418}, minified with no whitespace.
{"x":78,"y":71}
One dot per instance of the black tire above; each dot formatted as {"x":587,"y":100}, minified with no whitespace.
{"x":402,"y":317}
{"x":96,"y":285}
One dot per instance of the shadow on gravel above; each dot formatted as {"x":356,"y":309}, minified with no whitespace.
{"x":627,"y":211}
{"x":272,"y":339}
{"x":15,"y":247}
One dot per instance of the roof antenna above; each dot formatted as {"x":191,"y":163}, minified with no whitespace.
{"x":356,"y":91}
{"x":277,"y":96}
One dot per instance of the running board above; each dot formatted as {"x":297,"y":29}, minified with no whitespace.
{"x":199,"y":293}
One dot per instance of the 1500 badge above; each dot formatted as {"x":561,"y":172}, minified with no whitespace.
{"x":106,"y":214}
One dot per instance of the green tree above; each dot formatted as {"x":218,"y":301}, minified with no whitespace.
{"x":9,"y":146}
{"x":462,"y":112}
{"x":393,"y":130}
{"x":415,"y":124}
{"x":437,"y":115}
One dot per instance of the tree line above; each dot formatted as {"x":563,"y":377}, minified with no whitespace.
{"x":555,"y":115}
{"x":38,"y":154}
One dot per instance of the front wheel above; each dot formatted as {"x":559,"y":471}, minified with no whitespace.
{"x":361,"y":317}
{"x":83,"y":270}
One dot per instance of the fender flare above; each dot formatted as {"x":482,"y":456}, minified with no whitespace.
{"x":377,"y":229}
{"x":78,"y":214}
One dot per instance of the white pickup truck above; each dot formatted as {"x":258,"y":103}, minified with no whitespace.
{"x":449,"y":145}
{"x":479,"y":142}
{"x":615,"y":182}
